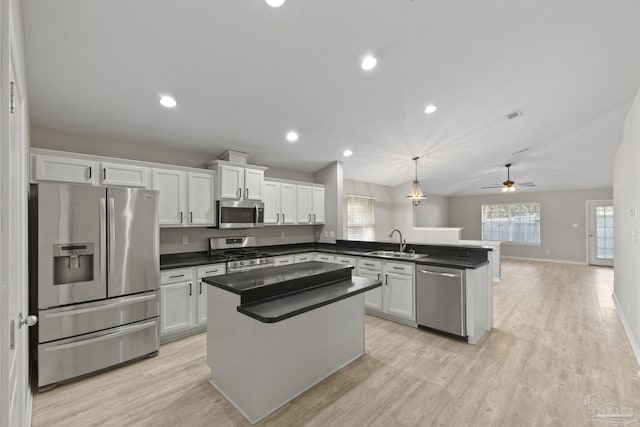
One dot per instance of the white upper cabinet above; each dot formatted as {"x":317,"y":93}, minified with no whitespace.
{"x":253,"y":184}
{"x":272,"y":202}
{"x":172,"y":198}
{"x":288,"y":201}
{"x":240,"y":183}
{"x":231,"y":183}
{"x":318,"y":205}
{"x":200,"y":199}
{"x":123,"y":174}
{"x":304,"y":215}
{"x":63,"y":169}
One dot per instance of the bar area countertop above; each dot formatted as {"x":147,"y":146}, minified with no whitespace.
{"x":273,"y":333}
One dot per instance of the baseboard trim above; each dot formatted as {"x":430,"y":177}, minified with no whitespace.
{"x":632,"y":340}
{"x":557,"y":261}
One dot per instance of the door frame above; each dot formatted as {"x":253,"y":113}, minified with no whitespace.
{"x":588,"y":205}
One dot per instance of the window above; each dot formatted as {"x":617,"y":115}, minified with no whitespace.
{"x":361,"y":218}
{"x":518,"y":223}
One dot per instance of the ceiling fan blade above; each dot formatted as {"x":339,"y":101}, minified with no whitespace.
{"x":491,"y":186}
{"x":526,"y":184}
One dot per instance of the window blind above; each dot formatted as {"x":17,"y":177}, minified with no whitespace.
{"x":361,"y":218}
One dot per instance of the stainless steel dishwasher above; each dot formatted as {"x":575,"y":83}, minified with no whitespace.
{"x":440,"y":300}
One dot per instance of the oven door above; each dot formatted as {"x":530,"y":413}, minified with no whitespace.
{"x":240,"y":214}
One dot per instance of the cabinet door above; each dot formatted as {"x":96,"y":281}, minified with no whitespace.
{"x":272,"y":202}
{"x":171,"y":185}
{"x":372,"y":298}
{"x":400,"y":300}
{"x":127,"y":175}
{"x":63,"y":169}
{"x":231,"y":182}
{"x":201,"y":204}
{"x":210,"y":270}
{"x":318,"y":205}
{"x":176,"y":308}
{"x":304,"y":205}
{"x":253,"y":183}
{"x":288,"y":201}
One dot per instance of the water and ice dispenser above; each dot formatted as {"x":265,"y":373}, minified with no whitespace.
{"x":72,"y":263}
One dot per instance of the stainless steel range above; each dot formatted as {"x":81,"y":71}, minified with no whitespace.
{"x":239,"y":253}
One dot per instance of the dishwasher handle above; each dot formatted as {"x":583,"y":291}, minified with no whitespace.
{"x":435,"y":273}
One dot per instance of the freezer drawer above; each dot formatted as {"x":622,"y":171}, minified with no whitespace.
{"x":440,"y":299}
{"x":65,"y":322}
{"x":65,"y":359}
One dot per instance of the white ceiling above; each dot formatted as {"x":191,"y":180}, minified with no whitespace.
{"x":244,"y":74}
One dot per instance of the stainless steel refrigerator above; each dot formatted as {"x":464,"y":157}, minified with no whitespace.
{"x":94,"y":276}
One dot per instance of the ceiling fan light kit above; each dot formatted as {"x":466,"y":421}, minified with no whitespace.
{"x":508,"y":185}
{"x":416,"y":195}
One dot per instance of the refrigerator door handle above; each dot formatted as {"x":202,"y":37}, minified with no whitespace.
{"x":103,"y":241}
{"x":112,"y":235}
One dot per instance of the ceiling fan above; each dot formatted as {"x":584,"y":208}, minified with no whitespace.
{"x":509,"y":185}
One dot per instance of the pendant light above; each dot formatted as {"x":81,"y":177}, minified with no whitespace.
{"x":416,"y":195}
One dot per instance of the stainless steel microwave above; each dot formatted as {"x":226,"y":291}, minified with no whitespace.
{"x":240,"y":214}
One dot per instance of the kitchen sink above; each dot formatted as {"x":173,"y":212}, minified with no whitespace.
{"x":397,"y":255}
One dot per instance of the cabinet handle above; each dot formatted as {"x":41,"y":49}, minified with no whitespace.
{"x":89,"y":172}
{"x":378,"y":276}
{"x":309,"y":217}
{"x":212,"y":271}
{"x":368,"y":265}
{"x":246,"y":193}
{"x":176,"y":276}
{"x":200,"y":282}
{"x":180,"y":217}
{"x":190,"y":290}
{"x":386,"y":279}
{"x":398,"y":268}
{"x":314,"y":217}
{"x":239,"y":192}
{"x":104,"y":173}
{"x":277,"y":218}
{"x":283,"y":217}
{"x":191,"y":217}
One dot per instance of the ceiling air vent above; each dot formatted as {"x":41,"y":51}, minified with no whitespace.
{"x":514,"y":115}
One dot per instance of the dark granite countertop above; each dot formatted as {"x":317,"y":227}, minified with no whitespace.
{"x":297,"y":303}
{"x":449,"y":259}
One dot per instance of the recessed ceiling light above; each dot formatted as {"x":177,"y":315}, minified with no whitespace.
{"x":292,"y":136}
{"x":347,"y":153}
{"x":275,"y":3}
{"x":430,"y":109}
{"x":369,"y":62}
{"x":168,"y":101}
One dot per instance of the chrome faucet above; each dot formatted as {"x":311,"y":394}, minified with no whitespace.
{"x":403,"y":243}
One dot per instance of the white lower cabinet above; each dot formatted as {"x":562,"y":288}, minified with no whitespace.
{"x":396,"y":296}
{"x":183,"y":300}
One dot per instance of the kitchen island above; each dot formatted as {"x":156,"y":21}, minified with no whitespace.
{"x":274,"y":333}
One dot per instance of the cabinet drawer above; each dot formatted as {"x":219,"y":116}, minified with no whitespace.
{"x":325,"y":257}
{"x":369,"y":264}
{"x":173,"y":276}
{"x":346,"y":260}
{"x":399,"y":268}
{"x":211,"y":270}
{"x":284,"y":260}
{"x":303,"y":257}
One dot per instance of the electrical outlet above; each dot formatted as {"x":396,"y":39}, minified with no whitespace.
{"x":575,"y":226}
{"x":185,"y":240}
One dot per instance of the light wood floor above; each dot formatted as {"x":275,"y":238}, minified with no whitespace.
{"x":557,"y":338}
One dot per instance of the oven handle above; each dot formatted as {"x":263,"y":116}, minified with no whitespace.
{"x":257,"y":214}
{"x":123,"y":331}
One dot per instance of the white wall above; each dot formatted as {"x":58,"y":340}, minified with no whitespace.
{"x":559,"y":210}
{"x":331,"y":177}
{"x":626,"y":200}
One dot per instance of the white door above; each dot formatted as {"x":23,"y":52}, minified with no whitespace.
{"x":318,"y":205}
{"x":253,"y":183}
{"x":399,"y":288}
{"x":231,"y":182}
{"x":15,"y":393}
{"x":176,"y":308}
{"x":600,"y":232}
{"x":372,"y":298}
{"x":126,"y":175}
{"x":288,"y":200}
{"x":201,"y":203}
{"x":172,"y":187}
{"x":304,"y":204}
{"x":271,"y":202}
